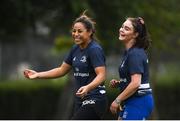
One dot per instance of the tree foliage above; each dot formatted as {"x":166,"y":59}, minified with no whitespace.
{"x":161,"y":17}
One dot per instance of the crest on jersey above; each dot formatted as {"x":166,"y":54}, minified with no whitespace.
{"x":83,"y":59}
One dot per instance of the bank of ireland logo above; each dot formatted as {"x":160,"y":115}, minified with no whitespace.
{"x":83,"y":59}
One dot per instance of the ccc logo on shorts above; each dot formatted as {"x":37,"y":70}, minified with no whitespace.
{"x":86,"y":102}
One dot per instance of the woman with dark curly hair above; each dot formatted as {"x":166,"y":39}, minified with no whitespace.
{"x":87,"y":60}
{"x":135,"y":101}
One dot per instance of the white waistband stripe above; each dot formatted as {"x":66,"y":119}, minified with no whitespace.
{"x":144,"y":86}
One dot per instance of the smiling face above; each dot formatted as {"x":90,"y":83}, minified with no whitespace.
{"x":126,"y":32}
{"x":80,"y":34}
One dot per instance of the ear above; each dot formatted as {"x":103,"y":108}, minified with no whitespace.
{"x":90,"y":32}
{"x":136,"y":34}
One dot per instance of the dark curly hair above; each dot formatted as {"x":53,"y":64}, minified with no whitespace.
{"x":87,"y":22}
{"x":143,"y":39}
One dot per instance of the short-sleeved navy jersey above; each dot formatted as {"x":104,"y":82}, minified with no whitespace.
{"x":84,"y":62}
{"x":134,"y":61}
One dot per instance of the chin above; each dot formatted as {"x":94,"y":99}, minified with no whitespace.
{"x":120,"y":38}
{"x":77,"y":41}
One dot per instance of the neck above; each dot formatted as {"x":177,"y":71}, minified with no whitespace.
{"x":129,"y":44}
{"x":82,"y":46}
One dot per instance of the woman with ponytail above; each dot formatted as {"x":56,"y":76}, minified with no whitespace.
{"x":87,"y":60}
{"x":135,"y":100}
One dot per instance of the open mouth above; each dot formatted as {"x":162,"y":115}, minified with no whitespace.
{"x":77,"y":39}
{"x":122,"y":35}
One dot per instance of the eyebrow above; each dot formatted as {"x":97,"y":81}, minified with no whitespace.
{"x":78,"y":30}
{"x":126,"y":27}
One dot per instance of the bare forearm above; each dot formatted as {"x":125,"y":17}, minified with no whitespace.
{"x":97,"y":81}
{"x":54,"y":73}
{"x":130,"y":90}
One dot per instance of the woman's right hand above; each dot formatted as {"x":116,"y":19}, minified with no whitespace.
{"x":114,"y":83}
{"x":30,"y":74}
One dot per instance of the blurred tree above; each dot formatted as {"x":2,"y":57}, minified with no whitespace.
{"x":16,"y":17}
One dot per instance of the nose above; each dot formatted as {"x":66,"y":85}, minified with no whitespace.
{"x":75,"y":33}
{"x":120,"y":29}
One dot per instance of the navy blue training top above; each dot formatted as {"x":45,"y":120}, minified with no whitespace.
{"x":84,"y":62}
{"x":135,"y":61}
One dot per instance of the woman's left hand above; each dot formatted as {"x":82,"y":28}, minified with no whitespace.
{"x":115,"y":107}
{"x":82,"y":91}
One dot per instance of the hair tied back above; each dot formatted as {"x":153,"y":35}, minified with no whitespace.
{"x":141,"y":20}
